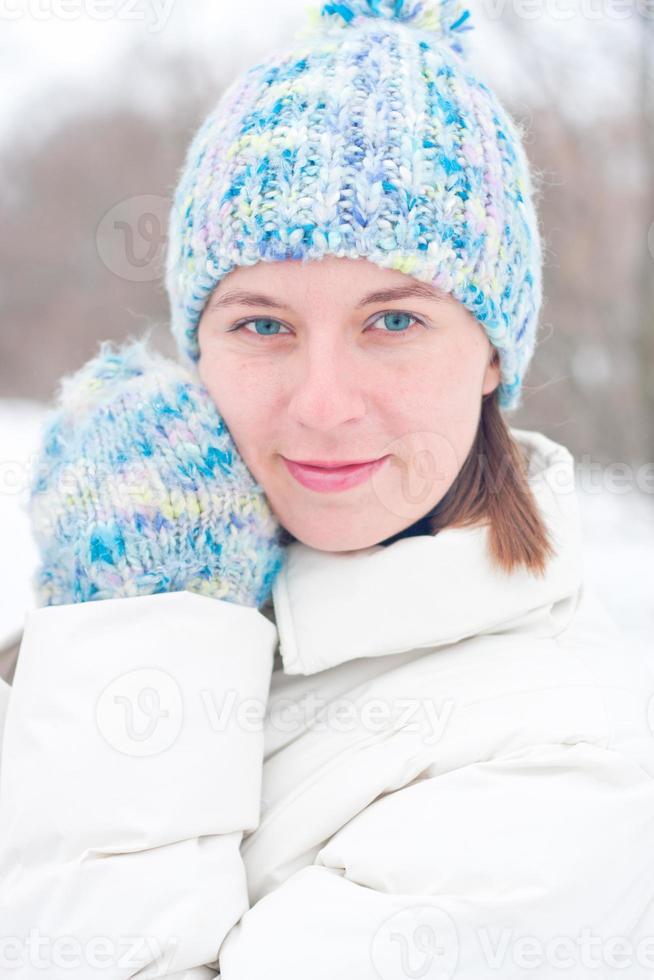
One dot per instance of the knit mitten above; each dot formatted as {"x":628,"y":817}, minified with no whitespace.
{"x":139,"y":488}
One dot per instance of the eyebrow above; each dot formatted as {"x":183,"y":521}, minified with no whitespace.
{"x":419,"y":289}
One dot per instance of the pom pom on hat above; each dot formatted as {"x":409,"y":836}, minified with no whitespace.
{"x":447,"y":19}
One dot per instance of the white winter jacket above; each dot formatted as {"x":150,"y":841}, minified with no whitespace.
{"x":417,"y":767}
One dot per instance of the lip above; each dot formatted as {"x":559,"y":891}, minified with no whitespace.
{"x":335,"y":464}
{"x":333,"y":478}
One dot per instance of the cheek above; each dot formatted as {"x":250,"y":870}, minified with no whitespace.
{"x":437,"y":405}
{"x":441,"y":383}
{"x":217,"y":381}
{"x":230,"y":384}
{"x":242,"y":400}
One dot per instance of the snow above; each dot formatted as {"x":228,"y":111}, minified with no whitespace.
{"x":618,"y":533}
{"x":20,"y":422}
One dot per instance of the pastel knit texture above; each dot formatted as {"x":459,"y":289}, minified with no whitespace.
{"x":368,"y":137}
{"x":139,"y":488}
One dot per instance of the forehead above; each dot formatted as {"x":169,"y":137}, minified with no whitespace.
{"x":339,"y":280}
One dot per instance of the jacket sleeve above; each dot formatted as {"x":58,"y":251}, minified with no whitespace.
{"x":131,"y":768}
{"x":535,"y":864}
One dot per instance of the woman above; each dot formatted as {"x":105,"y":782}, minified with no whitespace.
{"x":279,"y":719}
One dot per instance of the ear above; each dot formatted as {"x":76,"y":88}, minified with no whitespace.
{"x":492,"y":375}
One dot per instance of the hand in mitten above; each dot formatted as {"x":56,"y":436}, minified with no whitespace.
{"x":139,"y":488}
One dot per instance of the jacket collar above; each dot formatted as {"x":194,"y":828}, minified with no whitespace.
{"x":426,"y":590}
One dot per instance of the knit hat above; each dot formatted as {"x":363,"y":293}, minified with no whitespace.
{"x":367,"y":137}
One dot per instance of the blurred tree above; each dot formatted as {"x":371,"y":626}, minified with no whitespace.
{"x":585,"y":381}
{"x":646,"y":289}
{"x":63,"y":287}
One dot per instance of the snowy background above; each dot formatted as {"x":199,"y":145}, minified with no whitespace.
{"x":618,"y":529}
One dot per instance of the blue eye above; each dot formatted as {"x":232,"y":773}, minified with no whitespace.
{"x":266,"y":326}
{"x":394,"y":321}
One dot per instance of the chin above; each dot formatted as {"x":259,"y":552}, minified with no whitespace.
{"x":326,"y":539}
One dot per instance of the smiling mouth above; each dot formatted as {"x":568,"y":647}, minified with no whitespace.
{"x":333,"y":478}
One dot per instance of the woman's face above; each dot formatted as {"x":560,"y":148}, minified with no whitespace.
{"x":320,"y":369}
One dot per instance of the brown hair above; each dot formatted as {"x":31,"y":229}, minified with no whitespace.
{"x":491,"y":488}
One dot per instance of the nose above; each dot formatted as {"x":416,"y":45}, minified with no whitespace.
{"x":327,"y":386}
